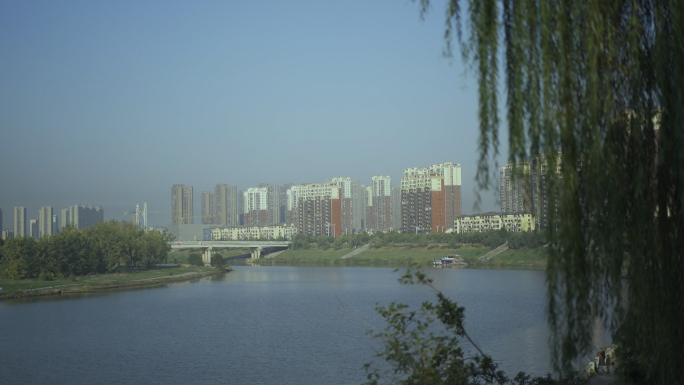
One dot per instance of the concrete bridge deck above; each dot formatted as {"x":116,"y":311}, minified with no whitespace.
{"x":207,"y":246}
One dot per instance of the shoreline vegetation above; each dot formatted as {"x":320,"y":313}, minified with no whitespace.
{"x":399,"y":255}
{"x":115,"y":256}
{"x":120,"y":280}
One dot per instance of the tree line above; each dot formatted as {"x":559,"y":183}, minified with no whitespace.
{"x":492,"y":238}
{"x":100,"y":249}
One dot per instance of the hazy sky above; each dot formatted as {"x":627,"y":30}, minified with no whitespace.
{"x":112,"y":102}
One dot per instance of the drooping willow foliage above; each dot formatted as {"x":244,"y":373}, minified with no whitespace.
{"x":594,"y":89}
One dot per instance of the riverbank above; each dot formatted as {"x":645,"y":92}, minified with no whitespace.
{"x":406,"y":255}
{"x":122,"y":280}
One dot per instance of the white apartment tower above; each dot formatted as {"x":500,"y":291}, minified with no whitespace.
{"x":45,"y":221}
{"x":20,"y":222}
{"x":255,"y":206}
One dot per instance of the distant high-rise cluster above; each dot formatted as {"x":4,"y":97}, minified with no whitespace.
{"x":48,"y":223}
{"x":429,"y":200}
{"x":79,"y":216}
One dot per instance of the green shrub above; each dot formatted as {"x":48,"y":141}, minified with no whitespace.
{"x":195,"y":259}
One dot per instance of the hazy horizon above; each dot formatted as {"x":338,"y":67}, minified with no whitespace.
{"x":110,"y":104}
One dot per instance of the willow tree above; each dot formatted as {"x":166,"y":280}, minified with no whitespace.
{"x":595,"y":89}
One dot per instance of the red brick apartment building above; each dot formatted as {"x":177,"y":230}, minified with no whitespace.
{"x":319,"y":209}
{"x":430,"y":198}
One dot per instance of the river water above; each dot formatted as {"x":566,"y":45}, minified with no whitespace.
{"x":258,"y":325}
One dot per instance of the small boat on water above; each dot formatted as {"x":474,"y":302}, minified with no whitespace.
{"x":448,"y":261}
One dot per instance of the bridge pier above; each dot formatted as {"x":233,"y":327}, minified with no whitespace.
{"x":256,"y":252}
{"x":206,"y":255}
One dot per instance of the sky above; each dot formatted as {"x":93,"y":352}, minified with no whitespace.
{"x":110,"y":103}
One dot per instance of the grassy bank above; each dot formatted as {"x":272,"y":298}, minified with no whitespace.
{"x":407,"y":254}
{"x":524,"y":258}
{"x":102,"y":282}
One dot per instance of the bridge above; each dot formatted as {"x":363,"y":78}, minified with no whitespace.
{"x":207,"y":246}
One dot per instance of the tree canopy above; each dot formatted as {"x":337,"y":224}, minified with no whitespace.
{"x":594,"y":89}
{"x":99,"y":249}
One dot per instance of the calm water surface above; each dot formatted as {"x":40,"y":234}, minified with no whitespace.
{"x":258,"y":325}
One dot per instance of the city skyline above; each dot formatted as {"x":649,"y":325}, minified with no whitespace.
{"x":127,"y":100}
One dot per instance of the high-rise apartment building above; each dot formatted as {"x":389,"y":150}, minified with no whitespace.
{"x":319,"y":209}
{"x":379,"y":208}
{"x":451,"y":175}
{"x":396,"y":208}
{"x":274,"y":204}
{"x":431,"y":197}
{"x":263,"y":205}
{"x":353,"y":204}
{"x":6,"y":234}
{"x":541,"y":172}
{"x":226,"y":205}
{"x":515,"y":187}
{"x":255,"y":206}
{"x":291,"y":204}
{"x":208,"y":210}
{"x":45,"y":221}
{"x":284,"y":191}
{"x":80,"y":217}
{"x":20,"y":222}
{"x":33,"y":229}
{"x":182,"y":211}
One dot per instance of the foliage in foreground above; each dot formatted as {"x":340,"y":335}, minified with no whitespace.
{"x":99,"y":249}
{"x":424,"y":347}
{"x":594,"y":102}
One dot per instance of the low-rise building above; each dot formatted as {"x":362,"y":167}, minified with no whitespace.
{"x":253,"y":232}
{"x":477,"y":223}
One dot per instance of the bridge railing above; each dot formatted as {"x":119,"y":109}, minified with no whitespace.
{"x":230,"y":243}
